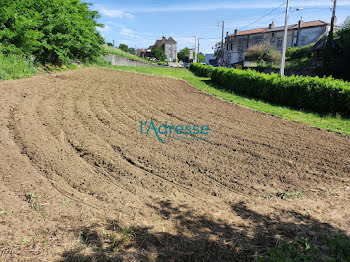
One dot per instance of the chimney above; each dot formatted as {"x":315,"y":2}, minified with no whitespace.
{"x":272,"y":25}
{"x":226,"y":34}
{"x":236,"y":32}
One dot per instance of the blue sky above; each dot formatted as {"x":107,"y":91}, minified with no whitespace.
{"x":139,"y":23}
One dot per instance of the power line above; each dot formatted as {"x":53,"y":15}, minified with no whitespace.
{"x":263,"y":16}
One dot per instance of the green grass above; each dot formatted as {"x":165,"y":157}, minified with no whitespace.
{"x":327,"y":122}
{"x":118,"y":52}
{"x":16,"y":67}
{"x":335,"y":248}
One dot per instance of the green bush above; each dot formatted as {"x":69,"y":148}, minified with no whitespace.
{"x":54,"y":31}
{"x":298,"y":52}
{"x":322,"y":95}
{"x":272,"y":56}
{"x":256,"y":53}
{"x":158,"y":53}
{"x":201,"y":70}
{"x":262,"y":53}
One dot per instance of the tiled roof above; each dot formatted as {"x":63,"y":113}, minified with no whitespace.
{"x":252,"y":31}
{"x":312,"y":24}
{"x":281,"y":28}
{"x":171,"y":41}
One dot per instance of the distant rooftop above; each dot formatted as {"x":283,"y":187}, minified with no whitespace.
{"x":163,"y":41}
{"x":272,"y":28}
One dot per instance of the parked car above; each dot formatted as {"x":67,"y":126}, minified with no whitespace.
{"x":187,"y":65}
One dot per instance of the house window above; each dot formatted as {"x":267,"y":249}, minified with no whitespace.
{"x":273,"y":35}
{"x":170,"y":52}
{"x":272,"y":41}
{"x":279,"y":42}
{"x":227,"y":47}
{"x":231,"y":46}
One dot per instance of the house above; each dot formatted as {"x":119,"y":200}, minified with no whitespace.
{"x":236,"y":44}
{"x":143,"y":52}
{"x":169,"y":46}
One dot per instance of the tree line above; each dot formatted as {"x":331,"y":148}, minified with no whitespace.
{"x":54,"y":31}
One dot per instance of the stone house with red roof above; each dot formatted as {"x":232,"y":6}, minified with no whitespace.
{"x":236,"y":44}
{"x":169,"y":46}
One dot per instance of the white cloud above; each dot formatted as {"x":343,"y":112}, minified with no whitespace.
{"x":130,"y":16}
{"x":115,"y":13}
{"x":129,"y":33}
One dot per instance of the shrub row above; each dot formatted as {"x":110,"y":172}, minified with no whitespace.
{"x":201,"y":70}
{"x":322,"y":95}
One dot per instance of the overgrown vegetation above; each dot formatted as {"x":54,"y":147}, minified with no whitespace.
{"x":262,"y":53}
{"x":293,"y":53}
{"x":303,"y":249}
{"x":158,"y":53}
{"x":126,"y":49}
{"x":17,"y":66}
{"x":322,"y":95}
{"x":296,"y":57}
{"x":53,"y":31}
{"x":337,"y":53}
{"x":328,"y":122}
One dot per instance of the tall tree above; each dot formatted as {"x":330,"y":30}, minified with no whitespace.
{"x":201,"y":58}
{"x":54,"y":31}
{"x":184,"y":54}
{"x":337,"y":57}
{"x":124,"y":47}
{"x":158,"y":53}
{"x":218,"y":51}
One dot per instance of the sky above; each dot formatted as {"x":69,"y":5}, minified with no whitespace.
{"x":139,"y":23}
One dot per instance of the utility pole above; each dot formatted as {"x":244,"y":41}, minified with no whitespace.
{"x":333,"y":20}
{"x":298,"y":34}
{"x":198,"y":50}
{"x":285,"y":38}
{"x":299,"y":26}
{"x":222,"y":42}
{"x":195,"y":49}
{"x":333,"y":13}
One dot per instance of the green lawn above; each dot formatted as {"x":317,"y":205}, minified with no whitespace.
{"x":118,"y":52}
{"x":335,"y":124}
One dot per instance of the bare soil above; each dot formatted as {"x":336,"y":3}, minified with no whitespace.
{"x":78,"y":182}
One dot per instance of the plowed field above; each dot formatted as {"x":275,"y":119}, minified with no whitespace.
{"x":78,"y":180}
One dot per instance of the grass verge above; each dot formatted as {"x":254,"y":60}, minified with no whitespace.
{"x":16,"y":67}
{"x":326,"y":122}
{"x":118,"y":52}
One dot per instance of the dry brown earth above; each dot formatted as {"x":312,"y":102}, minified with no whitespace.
{"x":78,"y":182}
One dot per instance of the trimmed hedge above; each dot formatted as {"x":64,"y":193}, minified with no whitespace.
{"x":201,"y":70}
{"x":322,"y":95}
